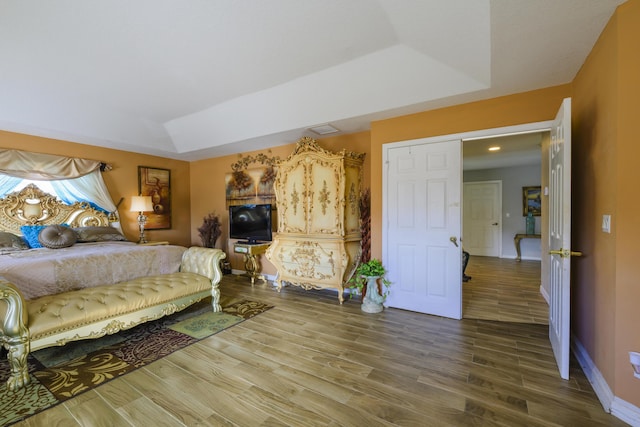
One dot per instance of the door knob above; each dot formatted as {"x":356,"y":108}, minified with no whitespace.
{"x":495,"y":223}
{"x":454,"y":240}
{"x":565,"y":253}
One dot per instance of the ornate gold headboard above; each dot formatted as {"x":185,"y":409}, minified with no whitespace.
{"x":31,"y":206}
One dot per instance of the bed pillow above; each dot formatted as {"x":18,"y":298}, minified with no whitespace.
{"x":9,"y":242}
{"x":30,"y":233}
{"x":57,"y":236}
{"x":98,"y":234}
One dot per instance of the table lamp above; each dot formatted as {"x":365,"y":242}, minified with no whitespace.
{"x":141,"y":204}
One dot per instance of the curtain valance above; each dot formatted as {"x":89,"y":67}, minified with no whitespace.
{"x":46,"y":167}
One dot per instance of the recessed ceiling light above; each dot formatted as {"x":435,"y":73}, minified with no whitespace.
{"x":324,"y":129}
{"x":494,"y":148}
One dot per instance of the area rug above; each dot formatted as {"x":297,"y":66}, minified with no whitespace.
{"x":60,"y":373}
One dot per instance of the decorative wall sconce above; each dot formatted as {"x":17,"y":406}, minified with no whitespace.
{"x":634,"y":358}
{"x":141,"y":204}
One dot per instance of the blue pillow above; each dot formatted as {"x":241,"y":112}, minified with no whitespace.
{"x":30,"y":233}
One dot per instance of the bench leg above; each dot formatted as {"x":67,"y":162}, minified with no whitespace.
{"x":215,"y":299}
{"x":15,"y":335}
{"x":17,"y":356}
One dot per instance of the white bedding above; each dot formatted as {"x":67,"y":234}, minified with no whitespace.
{"x":43,"y":271}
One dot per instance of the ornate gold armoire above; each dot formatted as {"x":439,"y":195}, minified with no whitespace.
{"x":317,"y":245}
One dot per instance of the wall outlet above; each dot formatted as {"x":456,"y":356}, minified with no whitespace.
{"x":606,"y":223}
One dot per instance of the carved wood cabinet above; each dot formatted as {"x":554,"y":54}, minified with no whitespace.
{"x":317,"y":245}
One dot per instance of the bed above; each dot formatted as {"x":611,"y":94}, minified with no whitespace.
{"x":60,"y":264}
{"x":99,"y":255}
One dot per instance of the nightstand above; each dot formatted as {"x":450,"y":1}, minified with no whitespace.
{"x":252,"y":254}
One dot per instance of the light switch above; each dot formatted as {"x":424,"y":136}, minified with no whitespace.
{"x":606,"y":223}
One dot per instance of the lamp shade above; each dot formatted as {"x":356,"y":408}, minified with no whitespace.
{"x":141,"y":204}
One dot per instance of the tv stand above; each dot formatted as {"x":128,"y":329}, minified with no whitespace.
{"x":252,"y":252}
{"x":250,"y":242}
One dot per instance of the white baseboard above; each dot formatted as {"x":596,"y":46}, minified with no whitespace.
{"x":524,"y":258}
{"x":531,"y":258}
{"x":599,"y":384}
{"x":625,"y":411}
{"x":614,"y":405}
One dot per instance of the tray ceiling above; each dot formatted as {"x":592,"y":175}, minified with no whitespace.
{"x":191,"y":79}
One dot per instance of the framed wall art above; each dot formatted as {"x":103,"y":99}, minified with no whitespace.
{"x":251,"y":185}
{"x":531,"y":201}
{"x":156,"y":183}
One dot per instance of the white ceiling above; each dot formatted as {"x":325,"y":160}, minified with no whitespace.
{"x":190,"y":79}
{"x":515,"y":150}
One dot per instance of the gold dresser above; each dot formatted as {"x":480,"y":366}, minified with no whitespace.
{"x":317,"y":245}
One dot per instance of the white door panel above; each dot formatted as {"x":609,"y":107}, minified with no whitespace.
{"x":560,"y":236}
{"x":422,"y":214}
{"x":482,"y":218}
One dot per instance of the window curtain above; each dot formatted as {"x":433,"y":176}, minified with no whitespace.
{"x":44,"y":167}
{"x":8,"y":183}
{"x":73,"y":179}
{"x":88,"y":188}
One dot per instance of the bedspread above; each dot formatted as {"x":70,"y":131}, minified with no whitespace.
{"x":39,"y":272}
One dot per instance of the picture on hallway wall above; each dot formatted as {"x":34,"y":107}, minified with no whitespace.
{"x":531,"y":201}
{"x":156,"y":183}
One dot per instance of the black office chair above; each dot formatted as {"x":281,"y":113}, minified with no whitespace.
{"x":465,"y":261}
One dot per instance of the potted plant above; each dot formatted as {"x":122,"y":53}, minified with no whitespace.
{"x":368,"y":279}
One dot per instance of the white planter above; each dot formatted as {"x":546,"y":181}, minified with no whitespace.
{"x":372,"y":301}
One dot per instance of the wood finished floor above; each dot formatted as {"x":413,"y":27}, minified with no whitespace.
{"x":311,"y":362}
{"x":504,"y":289}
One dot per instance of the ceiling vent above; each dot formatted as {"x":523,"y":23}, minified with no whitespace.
{"x":324,"y":129}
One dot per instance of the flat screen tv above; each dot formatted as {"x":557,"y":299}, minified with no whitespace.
{"x":250,"y":222}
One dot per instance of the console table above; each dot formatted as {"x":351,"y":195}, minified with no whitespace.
{"x":252,"y":254}
{"x":518,"y":237}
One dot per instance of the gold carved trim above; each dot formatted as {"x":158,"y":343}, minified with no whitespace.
{"x":117,"y":325}
{"x":295,"y":198}
{"x":304,"y":260}
{"x":307,"y":144}
{"x":263,"y":159}
{"x":324,"y":197}
{"x":353,"y":199}
{"x":31,"y":206}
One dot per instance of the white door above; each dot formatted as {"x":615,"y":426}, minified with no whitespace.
{"x":482,"y":218}
{"x":422,"y":251}
{"x":560,"y":236}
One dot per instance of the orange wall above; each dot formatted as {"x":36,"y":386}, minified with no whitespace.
{"x":122,"y":181}
{"x":606,"y":152}
{"x":595,"y":107}
{"x":528,"y":107}
{"x":628,"y":203}
{"x":208,"y":187}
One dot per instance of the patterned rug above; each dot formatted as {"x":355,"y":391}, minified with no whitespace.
{"x":60,"y":373}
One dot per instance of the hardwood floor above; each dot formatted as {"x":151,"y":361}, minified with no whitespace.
{"x":312,"y":362}
{"x":503,"y":289}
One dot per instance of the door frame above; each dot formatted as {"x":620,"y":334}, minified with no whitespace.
{"x":533,"y":127}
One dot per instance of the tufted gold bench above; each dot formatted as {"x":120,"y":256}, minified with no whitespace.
{"x":94,"y":312}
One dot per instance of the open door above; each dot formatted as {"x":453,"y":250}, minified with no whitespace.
{"x":423,"y":252}
{"x":560,"y":236}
